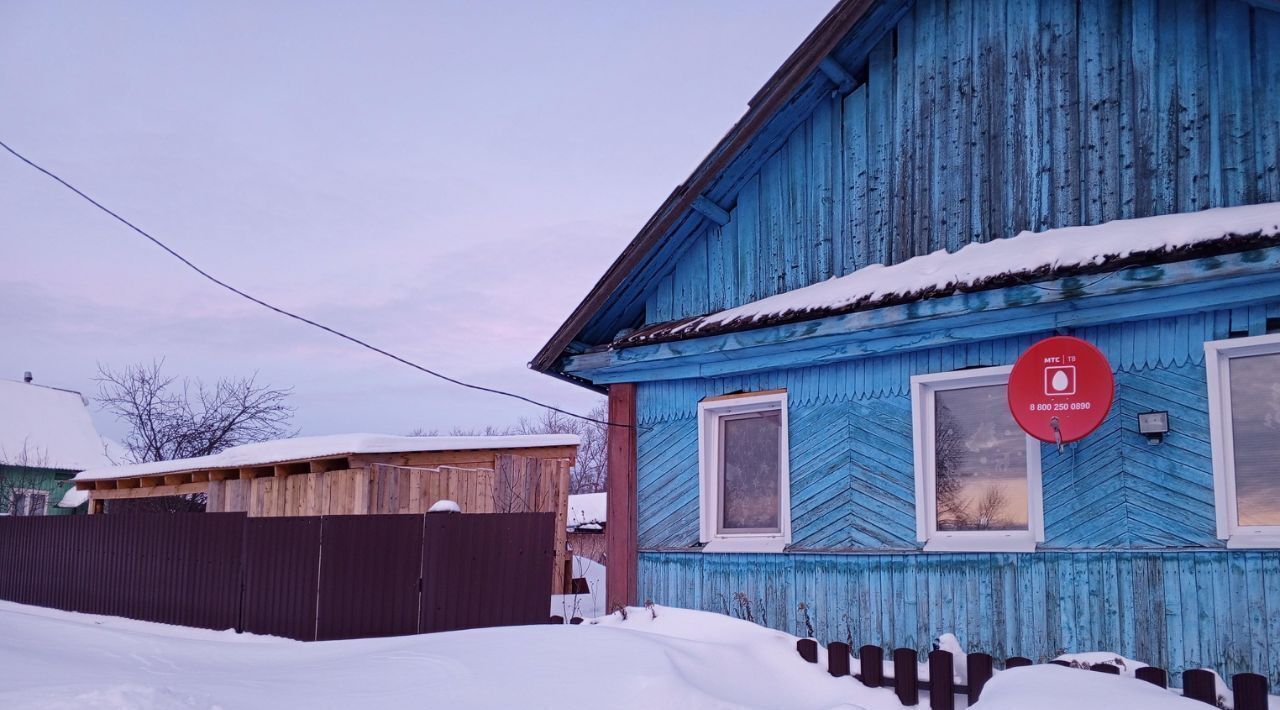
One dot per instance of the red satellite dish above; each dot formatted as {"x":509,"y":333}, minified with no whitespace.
{"x":1061,"y":389}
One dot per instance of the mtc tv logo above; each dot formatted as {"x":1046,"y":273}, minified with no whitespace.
{"x":1060,"y":380}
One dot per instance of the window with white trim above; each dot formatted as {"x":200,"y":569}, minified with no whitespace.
{"x":744,"y":481}
{"x":977,"y":473}
{"x":28,"y":501}
{"x":1244,"y":429}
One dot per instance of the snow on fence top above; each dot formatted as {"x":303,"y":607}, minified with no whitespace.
{"x":1029,"y":255}
{"x":317,"y":447}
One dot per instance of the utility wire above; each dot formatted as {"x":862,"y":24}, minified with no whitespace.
{"x":295,"y":316}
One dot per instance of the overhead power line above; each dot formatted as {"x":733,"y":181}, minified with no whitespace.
{"x":290,"y":314}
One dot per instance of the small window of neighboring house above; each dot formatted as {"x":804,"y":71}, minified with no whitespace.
{"x":28,"y":502}
{"x":977,"y":473}
{"x":1244,"y":430}
{"x":743,"y":473}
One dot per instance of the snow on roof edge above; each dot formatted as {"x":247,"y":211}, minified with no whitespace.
{"x":977,"y":264}
{"x":587,"y":509}
{"x":313,"y":447}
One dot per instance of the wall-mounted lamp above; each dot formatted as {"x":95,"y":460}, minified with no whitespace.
{"x":1153,"y":425}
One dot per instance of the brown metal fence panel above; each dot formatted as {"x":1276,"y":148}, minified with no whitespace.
{"x":170,"y":569}
{"x":344,"y":576}
{"x":486,"y":570}
{"x":369,"y":571}
{"x":281,"y":574}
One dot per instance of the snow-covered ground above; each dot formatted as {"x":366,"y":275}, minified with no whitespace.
{"x":655,"y":658}
{"x":682,"y":659}
{"x":586,"y":606}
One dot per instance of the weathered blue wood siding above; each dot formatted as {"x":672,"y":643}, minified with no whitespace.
{"x":981,"y":119}
{"x":972,"y":121}
{"x":1173,"y":609}
{"x":852,"y":479}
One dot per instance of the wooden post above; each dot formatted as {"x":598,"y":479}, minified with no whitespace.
{"x":981,"y":668}
{"x":942,"y":691}
{"x":1105,"y":668}
{"x":1016,"y":662}
{"x":906,"y":675}
{"x":871,"y":662}
{"x":556,"y":619}
{"x":1198,"y":684}
{"x":1250,"y":691}
{"x":1153,"y":675}
{"x":838,"y":659}
{"x":620,"y":533}
{"x":808,"y":650}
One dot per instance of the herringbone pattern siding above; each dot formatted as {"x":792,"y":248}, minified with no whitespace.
{"x":852,"y":479}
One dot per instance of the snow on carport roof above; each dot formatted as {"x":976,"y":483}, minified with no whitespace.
{"x":315,"y":447}
{"x":1019,"y":259}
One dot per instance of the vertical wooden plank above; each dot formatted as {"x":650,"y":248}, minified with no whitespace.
{"x":821,"y":232}
{"x":1265,"y":49}
{"x":902,"y":195}
{"x":772,"y":265}
{"x":1232,"y":180}
{"x":855,"y":196}
{"x":1193,"y":103}
{"x":748,"y":232}
{"x":216,"y":499}
{"x":620,"y":534}
{"x":881,"y":139}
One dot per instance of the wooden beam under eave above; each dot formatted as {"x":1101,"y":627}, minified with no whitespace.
{"x":152,"y":491}
{"x":224,"y":474}
{"x":711,"y":210}
{"x":256,"y":472}
{"x":838,"y":75}
{"x":104,"y":485}
{"x":281,"y":470}
{"x":200,"y":475}
{"x":127,"y":483}
{"x":326,"y":465}
{"x":176,"y":479}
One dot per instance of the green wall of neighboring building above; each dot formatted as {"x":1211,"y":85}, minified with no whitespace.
{"x":56,"y":481}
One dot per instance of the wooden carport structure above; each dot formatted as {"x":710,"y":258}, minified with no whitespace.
{"x":361,"y":475}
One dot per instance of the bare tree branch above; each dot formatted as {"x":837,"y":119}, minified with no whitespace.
{"x":168,"y":419}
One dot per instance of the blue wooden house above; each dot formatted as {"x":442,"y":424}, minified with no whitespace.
{"x":806,"y":348}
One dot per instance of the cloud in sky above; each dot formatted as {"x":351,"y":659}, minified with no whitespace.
{"x":443,"y":179}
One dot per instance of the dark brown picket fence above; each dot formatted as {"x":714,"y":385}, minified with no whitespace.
{"x":1250,"y":689}
{"x":307,"y":578}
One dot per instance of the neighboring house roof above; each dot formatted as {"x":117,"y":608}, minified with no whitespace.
{"x":315,"y":447}
{"x":776,"y":94}
{"x":47,"y":427}
{"x":587,"y":511}
{"x":1027,"y":257}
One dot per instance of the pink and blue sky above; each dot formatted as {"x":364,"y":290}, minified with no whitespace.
{"x":444,"y":179}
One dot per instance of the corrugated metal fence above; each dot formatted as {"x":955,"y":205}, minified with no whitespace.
{"x":307,"y":578}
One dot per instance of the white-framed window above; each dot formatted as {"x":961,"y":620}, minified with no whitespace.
{"x":1243,"y":375}
{"x":977,"y":473}
{"x":28,"y":501}
{"x":743,"y":476}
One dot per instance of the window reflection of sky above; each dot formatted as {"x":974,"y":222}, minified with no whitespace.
{"x":1255,"y":427}
{"x":981,"y":461}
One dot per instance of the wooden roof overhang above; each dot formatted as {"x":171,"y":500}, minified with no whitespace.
{"x":1228,"y":280}
{"x":197,"y":480}
{"x":827,"y":60}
